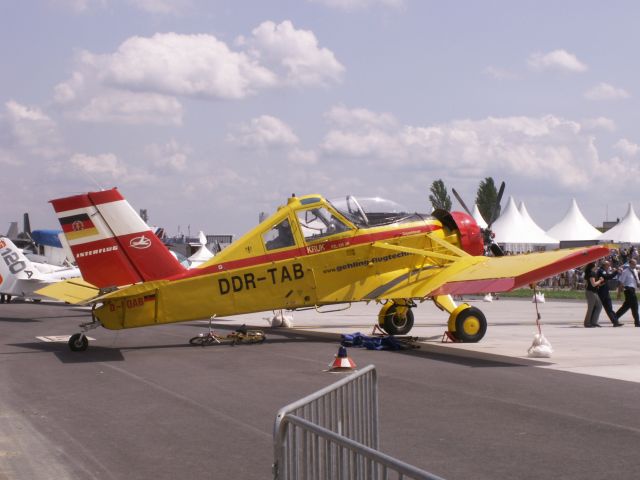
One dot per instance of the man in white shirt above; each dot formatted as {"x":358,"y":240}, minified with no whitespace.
{"x":628,"y":279}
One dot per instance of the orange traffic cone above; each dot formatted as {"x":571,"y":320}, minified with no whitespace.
{"x":342,"y":362}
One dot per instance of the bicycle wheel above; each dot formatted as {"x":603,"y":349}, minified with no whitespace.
{"x":199,"y":340}
{"x":210,"y":340}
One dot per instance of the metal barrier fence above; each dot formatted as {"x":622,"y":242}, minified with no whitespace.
{"x":333,"y":434}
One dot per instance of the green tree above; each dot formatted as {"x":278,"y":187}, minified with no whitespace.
{"x":487,"y":198}
{"x":439,"y":197}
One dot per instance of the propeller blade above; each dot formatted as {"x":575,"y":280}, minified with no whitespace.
{"x":496,"y":207}
{"x":455,"y":194}
{"x":496,"y":250}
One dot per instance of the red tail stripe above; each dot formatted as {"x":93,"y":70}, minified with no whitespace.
{"x":86,"y":200}
{"x":71,"y":203}
{"x":105,"y":196}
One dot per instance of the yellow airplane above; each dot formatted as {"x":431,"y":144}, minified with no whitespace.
{"x":310,"y":253}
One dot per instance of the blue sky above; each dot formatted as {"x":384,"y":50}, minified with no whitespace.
{"x":208,"y":112}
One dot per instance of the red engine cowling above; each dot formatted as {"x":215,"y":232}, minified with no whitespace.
{"x":469,"y":231}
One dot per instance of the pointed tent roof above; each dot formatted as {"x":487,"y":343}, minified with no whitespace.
{"x":477,"y":216}
{"x":541,"y":235}
{"x":628,"y":230}
{"x":512,"y":227}
{"x":202,"y":254}
{"x":573,"y":226}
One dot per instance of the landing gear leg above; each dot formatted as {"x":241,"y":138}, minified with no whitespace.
{"x":79,"y":341}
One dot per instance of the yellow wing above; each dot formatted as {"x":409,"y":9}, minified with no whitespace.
{"x":470,"y":274}
{"x":75,"y":290}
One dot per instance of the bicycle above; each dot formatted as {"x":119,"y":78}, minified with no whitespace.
{"x":241,"y":335}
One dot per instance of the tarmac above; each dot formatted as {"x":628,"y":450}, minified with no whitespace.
{"x":143,"y":403}
{"x":607,"y":352}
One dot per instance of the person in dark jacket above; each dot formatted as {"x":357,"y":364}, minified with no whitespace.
{"x":594,"y":305}
{"x":606,"y":273}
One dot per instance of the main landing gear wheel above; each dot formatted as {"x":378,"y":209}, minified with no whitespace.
{"x":78,"y":342}
{"x":467,"y":324}
{"x":396,"y":320}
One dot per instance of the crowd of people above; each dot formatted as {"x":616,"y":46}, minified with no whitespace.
{"x":618,"y":271}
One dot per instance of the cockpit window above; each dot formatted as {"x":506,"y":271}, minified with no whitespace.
{"x":317,"y":223}
{"x":279,"y":236}
{"x":369,"y":212}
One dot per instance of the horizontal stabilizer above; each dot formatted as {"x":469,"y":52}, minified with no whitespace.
{"x":131,"y":291}
{"x":71,"y":291}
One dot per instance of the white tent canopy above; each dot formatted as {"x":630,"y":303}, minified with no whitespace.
{"x":541,"y":235}
{"x":202,"y":254}
{"x":477,"y":216}
{"x":516,"y":233}
{"x":627,"y":231}
{"x":573,"y":226}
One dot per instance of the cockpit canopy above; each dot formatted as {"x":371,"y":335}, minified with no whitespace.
{"x":372,"y":211}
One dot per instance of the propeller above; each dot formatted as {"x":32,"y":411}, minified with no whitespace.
{"x":487,"y":234}
{"x":459,"y":198}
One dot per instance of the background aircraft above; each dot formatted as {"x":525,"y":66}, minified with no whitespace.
{"x":21,"y":277}
{"x":309,"y":253}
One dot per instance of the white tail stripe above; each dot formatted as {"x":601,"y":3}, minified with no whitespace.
{"x":113,"y":219}
{"x":122,"y":218}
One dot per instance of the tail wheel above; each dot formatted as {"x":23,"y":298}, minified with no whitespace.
{"x":78,"y":342}
{"x":469,"y":324}
{"x":396,"y":320}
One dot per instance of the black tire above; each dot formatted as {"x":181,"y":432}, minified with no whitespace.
{"x":394,"y":325}
{"x":78,"y":342}
{"x":198,"y":341}
{"x":471,"y":325}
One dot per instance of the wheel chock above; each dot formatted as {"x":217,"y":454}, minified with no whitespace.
{"x":448,"y":336}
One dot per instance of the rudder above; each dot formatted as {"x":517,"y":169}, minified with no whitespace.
{"x":112,"y":245}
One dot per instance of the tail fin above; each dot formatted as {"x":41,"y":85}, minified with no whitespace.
{"x":112,"y":245}
{"x":14,"y":267}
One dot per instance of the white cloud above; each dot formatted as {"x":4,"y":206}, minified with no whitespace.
{"x":499,"y":73}
{"x":161,"y":6}
{"x":599,"y":123}
{"x":362,"y":118}
{"x":299,"y":156}
{"x":294,"y":52}
{"x":139,"y":82}
{"x":29,"y":130}
{"x":264,"y":131}
{"x":605,"y":91}
{"x":106,"y":164}
{"x":174,"y":64}
{"x":627,"y":148}
{"x":360,"y":4}
{"x":124,"y":107}
{"x":171,"y":156}
{"x":556,"y":60}
{"x":546,"y":147}
{"x":78,"y":6}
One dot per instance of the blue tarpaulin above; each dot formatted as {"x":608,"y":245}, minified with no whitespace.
{"x":357,"y":339}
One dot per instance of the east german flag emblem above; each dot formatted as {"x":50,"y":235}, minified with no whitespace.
{"x":78,"y":226}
